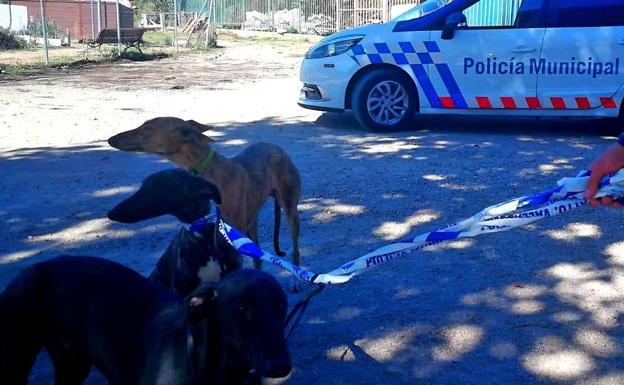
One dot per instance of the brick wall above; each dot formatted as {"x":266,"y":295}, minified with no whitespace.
{"x":79,"y":17}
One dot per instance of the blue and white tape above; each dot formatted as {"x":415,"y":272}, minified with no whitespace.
{"x":566,"y":196}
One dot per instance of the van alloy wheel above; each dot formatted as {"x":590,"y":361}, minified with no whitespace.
{"x":387,"y":103}
{"x":384,"y":100}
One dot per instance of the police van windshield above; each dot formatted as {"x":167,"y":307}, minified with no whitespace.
{"x":423,"y":9}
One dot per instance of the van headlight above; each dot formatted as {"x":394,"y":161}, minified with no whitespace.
{"x":333,"y":48}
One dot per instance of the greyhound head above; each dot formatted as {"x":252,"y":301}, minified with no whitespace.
{"x":250,"y":308}
{"x":163,"y":136}
{"x":174,"y":191}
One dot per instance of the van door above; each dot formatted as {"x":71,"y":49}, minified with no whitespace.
{"x":485,"y":65}
{"x":582,"y":61}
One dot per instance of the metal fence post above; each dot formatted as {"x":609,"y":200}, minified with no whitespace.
{"x":338,"y":16}
{"x":44,"y":32}
{"x":118,"y":31}
{"x":99,"y":15}
{"x":385,"y":12}
{"x":175,"y":25}
{"x":10,"y":16}
{"x":92,"y":21}
{"x":207,"y":29}
{"x":214,"y":14}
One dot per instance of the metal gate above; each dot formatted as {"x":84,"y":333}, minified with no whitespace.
{"x":324,"y":17}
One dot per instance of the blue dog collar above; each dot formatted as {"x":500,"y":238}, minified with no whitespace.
{"x":214,"y":216}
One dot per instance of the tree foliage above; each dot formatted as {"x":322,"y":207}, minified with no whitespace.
{"x":152,"y":6}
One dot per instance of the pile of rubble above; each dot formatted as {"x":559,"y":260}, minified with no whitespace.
{"x":289,"y":20}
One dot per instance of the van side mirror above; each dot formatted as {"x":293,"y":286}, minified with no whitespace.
{"x":453,"y":21}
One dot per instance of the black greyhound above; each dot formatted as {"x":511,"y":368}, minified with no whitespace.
{"x":191,"y":258}
{"x":88,"y":312}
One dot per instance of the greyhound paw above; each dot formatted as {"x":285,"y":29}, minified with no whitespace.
{"x":294,"y":285}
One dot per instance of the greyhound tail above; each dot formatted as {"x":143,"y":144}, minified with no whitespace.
{"x":276,"y":229}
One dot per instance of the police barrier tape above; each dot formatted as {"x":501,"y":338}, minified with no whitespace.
{"x":504,"y":216}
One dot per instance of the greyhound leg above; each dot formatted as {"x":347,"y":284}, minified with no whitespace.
{"x":20,"y":333}
{"x":289,"y":203}
{"x":293,"y":224}
{"x":288,"y":199}
{"x":290,"y":207}
{"x":70,"y":367}
{"x":252,"y":233}
{"x":17,"y":358}
{"x":276,"y":227}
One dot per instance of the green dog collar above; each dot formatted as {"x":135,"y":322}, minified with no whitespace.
{"x":201,"y":166}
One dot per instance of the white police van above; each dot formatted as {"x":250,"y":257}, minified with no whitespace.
{"x":557,"y":58}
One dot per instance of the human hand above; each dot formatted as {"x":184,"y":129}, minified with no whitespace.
{"x":611,"y":160}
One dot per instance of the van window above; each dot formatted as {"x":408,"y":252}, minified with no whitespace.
{"x":423,"y":9}
{"x":529,"y":14}
{"x":594,"y":13}
{"x":493,"y":13}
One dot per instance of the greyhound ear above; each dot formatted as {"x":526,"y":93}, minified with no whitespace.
{"x":199,"y":303}
{"x":213,"y":193}
{"x":198,"y":126}
{"x":194,"y":135}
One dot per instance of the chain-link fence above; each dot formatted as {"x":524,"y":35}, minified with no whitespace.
{"x":59,"y":31}
{"x":319,"y":17}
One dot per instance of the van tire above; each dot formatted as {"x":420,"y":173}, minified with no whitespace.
{"x":384,"y":100}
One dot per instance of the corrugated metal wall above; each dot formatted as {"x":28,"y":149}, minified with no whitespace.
{"x":492,"y":13}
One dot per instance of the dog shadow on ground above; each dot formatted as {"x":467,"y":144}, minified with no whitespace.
{"x":537,"y":305}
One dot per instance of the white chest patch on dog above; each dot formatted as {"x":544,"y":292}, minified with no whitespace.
{"x":210,"y":272}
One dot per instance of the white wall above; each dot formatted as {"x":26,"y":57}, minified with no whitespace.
{"x":19,"y":17}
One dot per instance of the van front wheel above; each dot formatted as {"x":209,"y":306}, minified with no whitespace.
{"x":384,"y":100}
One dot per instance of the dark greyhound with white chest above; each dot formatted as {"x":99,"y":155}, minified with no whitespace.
{"x":191,"y":258}
{"x":87,"y":311}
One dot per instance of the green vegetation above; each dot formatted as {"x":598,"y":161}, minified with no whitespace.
{"x":65,"y":62}
{"x":135,"y":55}
{"x":8,"y":40}
{"x":152,"y":6}
{"x":158,"y":38}
{"x":35,"y":29}
{"x":55,"y":62}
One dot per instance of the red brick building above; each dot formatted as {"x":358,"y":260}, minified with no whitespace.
{"x":79,"y":17}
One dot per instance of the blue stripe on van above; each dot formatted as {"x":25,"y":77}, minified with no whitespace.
{"x":451,"y":85}
{"x":426,"y":85}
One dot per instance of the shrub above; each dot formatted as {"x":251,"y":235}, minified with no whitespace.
{"x":35,"y":29}
{"x":8,"y":40}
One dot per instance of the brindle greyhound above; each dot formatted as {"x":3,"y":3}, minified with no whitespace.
{"x":245,"y":180}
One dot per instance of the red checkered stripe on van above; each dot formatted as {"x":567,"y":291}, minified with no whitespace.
{"x":534,"y":103}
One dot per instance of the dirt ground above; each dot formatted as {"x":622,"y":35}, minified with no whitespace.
{"x":539,"y":305}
